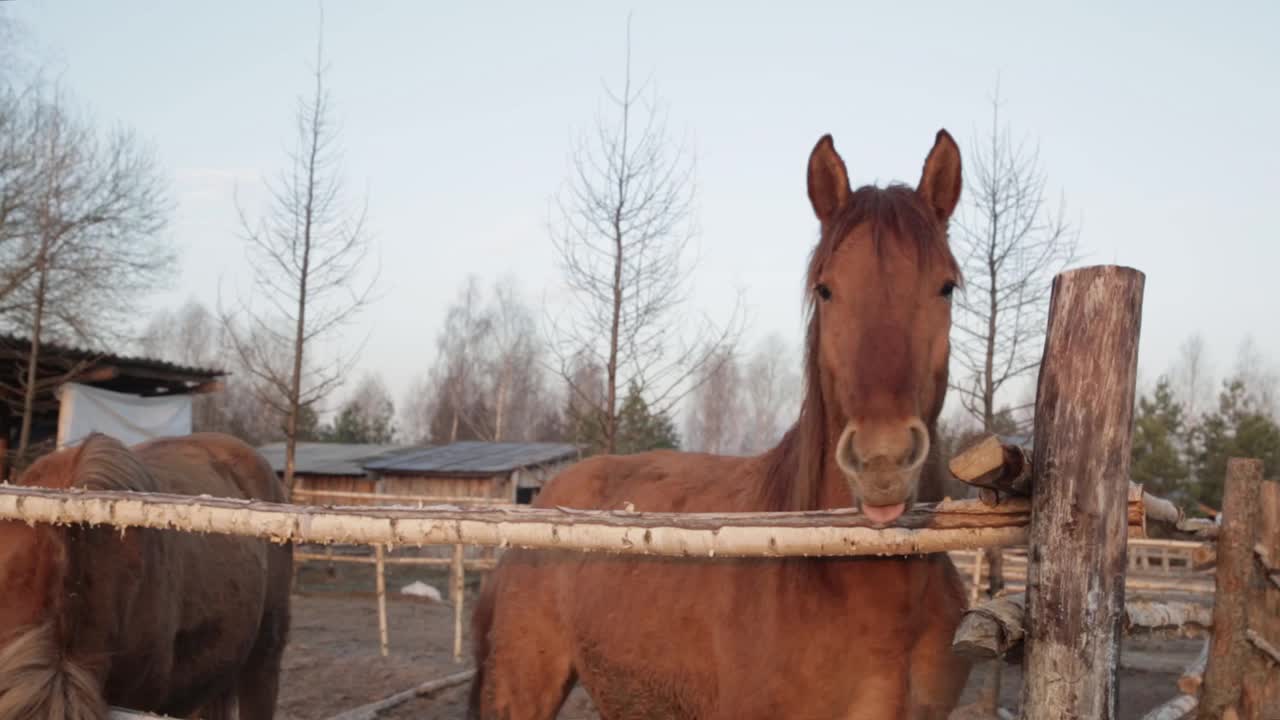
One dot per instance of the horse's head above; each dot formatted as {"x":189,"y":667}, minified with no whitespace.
{"x":881,"y":280}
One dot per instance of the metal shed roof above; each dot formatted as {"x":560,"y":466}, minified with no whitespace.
{"x":318,"y":458}
{"x":112,"y":371}
{"x":473,"y":458}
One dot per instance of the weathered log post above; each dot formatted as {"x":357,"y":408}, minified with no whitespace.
{"x":1077,"y":547}
{"x":1242,"y":674}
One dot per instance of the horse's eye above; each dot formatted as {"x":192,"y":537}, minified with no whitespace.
{"x":947,"y":289}
{"x":823,"y":291}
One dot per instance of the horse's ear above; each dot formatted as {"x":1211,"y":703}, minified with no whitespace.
{"x":940,"y":181}
{"x":828,"y":180}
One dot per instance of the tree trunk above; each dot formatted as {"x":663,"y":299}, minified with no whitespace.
{"x":1240,"y":678}
{"x":33,"y":357}
{"x":5,"y":437}
{"x":1079,"y":531}
{"x":304,"y":272}
{"x":504,"y":382}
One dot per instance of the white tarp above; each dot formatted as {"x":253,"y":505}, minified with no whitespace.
{"x":128,"y":418}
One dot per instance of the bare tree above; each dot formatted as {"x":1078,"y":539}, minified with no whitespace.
{"x":513,"y":365}
{"x":194,"y":336}
{"x":455,"y":376}
{"x":771,"y":395}
{"x":1011,"y":242}
{"x":306,"y":254}
{"x":367,"y":415}
{"x":1192,"y":376}
{"x":625,"y":222}
{"x":713,"y":424}
{"x":417,"y":410}
{"x":1258,"y":375}
{"x":20,"y":178}
{"x":487,"y":375}
{"x":91,"y":244}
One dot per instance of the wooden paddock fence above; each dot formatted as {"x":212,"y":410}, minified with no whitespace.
{"x":454,"y":557}
{"x":1156,"y":568}
{"x":1074,"y":487}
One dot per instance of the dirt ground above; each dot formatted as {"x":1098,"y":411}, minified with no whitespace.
{"x":333,"y":663}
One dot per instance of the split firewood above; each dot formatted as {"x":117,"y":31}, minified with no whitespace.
{"x":992,"y":464}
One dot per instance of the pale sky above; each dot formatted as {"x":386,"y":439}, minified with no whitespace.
{"x":1158,"y":122}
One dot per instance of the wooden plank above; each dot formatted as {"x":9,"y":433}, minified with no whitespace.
{"x":1239,"y":678}
{"x":470,"y":563}
{"x":1083,"y":428}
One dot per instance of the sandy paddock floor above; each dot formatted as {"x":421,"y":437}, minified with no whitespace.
{"x":333,"y":663}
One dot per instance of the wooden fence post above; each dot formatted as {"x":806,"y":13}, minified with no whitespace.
{"x":1242,"y":675}
{"x":380,"y":568}
{"x":457,"y":587}
{"x":1076,"y":559}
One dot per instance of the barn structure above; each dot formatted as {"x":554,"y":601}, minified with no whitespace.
{"x":508,"y":471}
{"x":321,"y":467}
{"x":80,"y":390}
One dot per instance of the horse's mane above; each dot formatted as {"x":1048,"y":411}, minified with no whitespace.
{"x":793,"y":477}
{"x":105,"y":463}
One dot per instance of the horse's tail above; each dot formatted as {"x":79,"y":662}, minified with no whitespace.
{"x":481,"y":621}
{"x":40,"y":679}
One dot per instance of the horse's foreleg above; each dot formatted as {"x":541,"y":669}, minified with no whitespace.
{"x":938,"y":675}
{"x":525,"y":669}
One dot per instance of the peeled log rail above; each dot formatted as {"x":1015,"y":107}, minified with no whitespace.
{"x":997,"y":627}
{"x":1076,"y":557}
{"x":1176,"y":709}
{"x":1193,"y":677}
{"x":1181,"y":706}
{"x":927,"y":528}
{"x":123,"y":714}
{"x":431,"y":687}
{"x":948,"y":525}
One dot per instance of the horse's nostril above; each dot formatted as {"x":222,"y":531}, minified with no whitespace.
{"x":919,"y":444}
{"x":846,"y":453}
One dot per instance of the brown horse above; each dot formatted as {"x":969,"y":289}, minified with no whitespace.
{"x":154,"y":620}
{"x":865,"y":637}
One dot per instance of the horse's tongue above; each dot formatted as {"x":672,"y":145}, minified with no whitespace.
{"x":883,"y":513}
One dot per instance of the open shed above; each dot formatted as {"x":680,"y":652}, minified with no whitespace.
{"x":61,"y":365}
{"x":512,"y":472}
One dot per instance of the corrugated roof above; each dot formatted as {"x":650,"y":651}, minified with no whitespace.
{"x":50,"y":350}
{"x":318,"y":458}
{"x":474,"y":458}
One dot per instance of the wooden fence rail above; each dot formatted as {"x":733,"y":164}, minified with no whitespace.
{"x":948,"y":525}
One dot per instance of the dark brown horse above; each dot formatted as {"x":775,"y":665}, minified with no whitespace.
{"x":796,"y":638}
{"x":160,"y":621}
